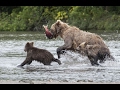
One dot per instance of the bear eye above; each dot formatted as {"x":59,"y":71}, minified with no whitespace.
{"x":79,"y":46}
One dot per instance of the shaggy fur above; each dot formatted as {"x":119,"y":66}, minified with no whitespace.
{"x":40,"y":55}
{"x":94,"y":52}
{"x":73,"y":35}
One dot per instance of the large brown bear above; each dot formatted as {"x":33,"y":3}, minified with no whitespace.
{"x":94,"y":52}
{"x":40,"y":55}
{"x":72,"y":35}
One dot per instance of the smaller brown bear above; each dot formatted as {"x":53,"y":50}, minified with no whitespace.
{"x":40,"y":55}
{"x":94,"y":52}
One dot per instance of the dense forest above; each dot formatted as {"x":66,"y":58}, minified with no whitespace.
{"x":31,"y":18}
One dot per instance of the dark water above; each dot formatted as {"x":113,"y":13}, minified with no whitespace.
{"x":74,"y":68}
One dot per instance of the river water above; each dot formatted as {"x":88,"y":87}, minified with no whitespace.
{"x":74,"y":67}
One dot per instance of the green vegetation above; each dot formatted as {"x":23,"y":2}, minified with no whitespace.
{"x":31,"y":18}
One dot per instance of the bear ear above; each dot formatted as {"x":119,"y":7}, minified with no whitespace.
{"x":27,"y":43}
{"x":32,"y":43}
{"x":85,"y":43}
{"x":58,"y":22}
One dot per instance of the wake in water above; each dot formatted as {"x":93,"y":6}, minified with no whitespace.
{"x":74,"y":56}
{"x":74,"y":67}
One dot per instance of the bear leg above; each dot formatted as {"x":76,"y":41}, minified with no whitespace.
{"x":58,"y":61}
{"x":96,"y":60}
{"x":93,"y":61}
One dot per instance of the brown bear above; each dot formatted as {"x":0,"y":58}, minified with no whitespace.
{"x":40,"y":55}
{"x":71,"y":34}
{"x":94,"y":52}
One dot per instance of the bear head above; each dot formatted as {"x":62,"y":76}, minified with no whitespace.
{"x":28,"y":46}
{"x":82,"y":46}
{"x":57,"y":28}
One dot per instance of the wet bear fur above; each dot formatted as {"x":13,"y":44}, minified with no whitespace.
{"x":71,"y":34}
{"x":95,"y":52}
{"x":40,"y":55}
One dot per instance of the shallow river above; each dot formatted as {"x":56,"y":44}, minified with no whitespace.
{"x":74,"y":68}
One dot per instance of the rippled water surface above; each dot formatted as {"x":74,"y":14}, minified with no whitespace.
{"x":74,"y":68}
